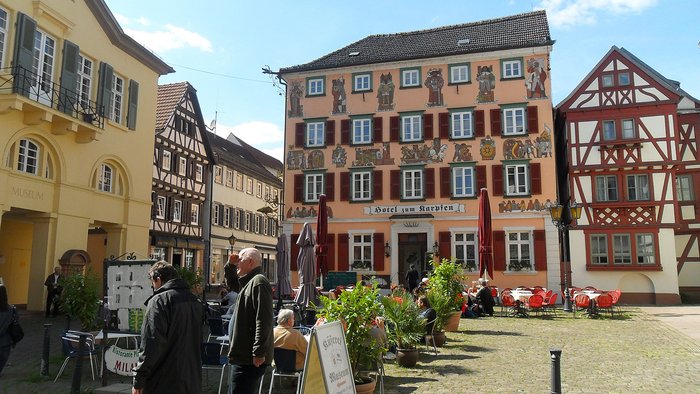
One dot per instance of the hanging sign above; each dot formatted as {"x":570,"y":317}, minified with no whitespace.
{"x":412,"y":209}
{"x":121,"y":361}
{"x":327,"y":365}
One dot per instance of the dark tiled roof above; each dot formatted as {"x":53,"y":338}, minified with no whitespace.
{"x":516,"y":31}
{"x":169,"y":96}
{"x":242,"y":158}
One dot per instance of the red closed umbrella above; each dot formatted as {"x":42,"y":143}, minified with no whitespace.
{"x":485,"y":235}
{"x":321,"y":247}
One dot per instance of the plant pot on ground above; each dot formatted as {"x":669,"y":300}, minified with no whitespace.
{"x":405,"y":327}
{"x":80,"y":300}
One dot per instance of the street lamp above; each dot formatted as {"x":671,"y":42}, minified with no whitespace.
{"x":562,"y":220}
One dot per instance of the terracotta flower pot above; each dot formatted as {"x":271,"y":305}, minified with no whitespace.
{"x":439,"y":338}
{"x":452,"y":324}
{"x":365,"y":388}
{"x":407,"y":357}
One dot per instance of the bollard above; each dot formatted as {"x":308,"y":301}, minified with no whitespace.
{"x":45,"y":354}
{"x":555,"y":354}
{"x":78,"y":372}
{"x":105,"y":329}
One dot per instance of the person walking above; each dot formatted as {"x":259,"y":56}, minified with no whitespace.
{"x":231,"y":273}
{"x":7,"y":313}
{"x":412,"y":278}
{"x":53,"y":289}
{"x":251,"y":341}
{"x":170,"y":355}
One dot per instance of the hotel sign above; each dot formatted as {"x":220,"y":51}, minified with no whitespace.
{"x":412,"y":209}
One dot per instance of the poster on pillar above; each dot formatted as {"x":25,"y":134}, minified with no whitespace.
{"x":127,"y":287}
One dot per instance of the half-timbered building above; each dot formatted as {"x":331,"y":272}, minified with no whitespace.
{"x":180,"y":219}
{"x":631,"y":158}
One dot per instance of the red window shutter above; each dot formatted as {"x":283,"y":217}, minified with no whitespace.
{"x":378,"y":129}
{"x":378,"y":252}
{"x":330,"y":186}
{"x":377,"y":185}
{"x":480,"y":178}
{"x":535,"y":179}
{"x":497,"y":174}
{"x":330,"y":132}
{"x":394,"y":127}
{"x":395,"y":184}
{"x":299,"y":188}
{"x":444,"y":125}
{"x":295,"y":252}
{"x":345,"y":132}
{"x":540,"y":250}
{"x":445,"y":174}
{"x":428,"y":126}
{"x":343,"y":244}
{"x":344,"y":186}
{"x":479,"y":123}
{"x":495,"y":122}
{"x":532,"y":121}
{"x":499,"y":250}
{"x":299,"y":131}
{"x":429,"y":182}
{"x":445,"y":245}
{"x":330,"y":260}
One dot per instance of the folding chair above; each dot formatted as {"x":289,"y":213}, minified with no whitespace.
{"x":213,"y":359}
{"x":431,"y":337}
{"x":216,"y":328}
{"x":285,"y":366}
{"x":70,"y":342}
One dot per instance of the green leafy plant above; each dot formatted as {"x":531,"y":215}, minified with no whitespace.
{"x":405,"y":326}
{"x":80,"y":299}
{"x":193,"y":277}
{"x":447,"y":278}
{"x":356,"y":309}
{"x":442,"y":305}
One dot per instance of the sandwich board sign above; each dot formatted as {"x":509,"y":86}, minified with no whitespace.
{"x":327,"y":365}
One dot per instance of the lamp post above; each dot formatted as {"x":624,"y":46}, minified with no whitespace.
{"x":231,"y":241}
{"x":562,"y":220}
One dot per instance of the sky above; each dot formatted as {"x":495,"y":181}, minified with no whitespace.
{"x":221,"y":46}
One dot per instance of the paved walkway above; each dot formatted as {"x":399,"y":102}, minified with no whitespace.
{"x":652,"y":350}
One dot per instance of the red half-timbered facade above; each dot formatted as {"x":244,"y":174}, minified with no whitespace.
{"x":629,"y":135}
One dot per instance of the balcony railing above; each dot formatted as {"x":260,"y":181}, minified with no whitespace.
{"x":18,"y":80}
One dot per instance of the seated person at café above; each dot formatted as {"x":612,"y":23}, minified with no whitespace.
{"x":229,"y":300}
{"x":427,"y":313}
{"x":484,"y":298}
{"x":287,"y":337}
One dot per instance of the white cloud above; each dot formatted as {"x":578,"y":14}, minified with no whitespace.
{"x":123,"y":20}
{"x":169,"y":38}
{"x":569,"y":13}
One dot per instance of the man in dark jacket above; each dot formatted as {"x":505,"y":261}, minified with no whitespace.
{"x":251,"y":342}
{"x":484,"y":298}
{"x":170,"y":358}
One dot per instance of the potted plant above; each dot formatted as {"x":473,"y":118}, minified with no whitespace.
{"x":446,"y":279}
{"x":193,"y":278}
{"x":405,"y":327}
{"x":443,"y":309}
{"x":357,"y":310}
{"x":80,"y":299}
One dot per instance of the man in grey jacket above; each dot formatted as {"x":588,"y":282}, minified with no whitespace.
{"x":251,"y":342}
{"x":170,"y":359}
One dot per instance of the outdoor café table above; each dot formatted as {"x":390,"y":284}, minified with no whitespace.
{"x":521,"y":297}
{"x":592,"y":310}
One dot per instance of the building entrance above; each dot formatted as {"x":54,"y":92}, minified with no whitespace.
{"x":412,"y":250}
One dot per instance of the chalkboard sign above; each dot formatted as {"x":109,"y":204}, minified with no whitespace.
{"x":327,"y":365}
{"x":335,"y":279}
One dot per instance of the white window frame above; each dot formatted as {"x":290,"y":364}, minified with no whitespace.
{"x":316,"y":86}
{"x":514,"y":121}
{"x":229,"y":178}
{"x":646,"y":255}
{"x":258,"y":190}
{"x":641,"y":192}
{"x":199,"y":172}
{"x":237,"y":217}
{"x":466,"y":240}
{"x":412,"y":184}
{"x":84,"y":81}
{"x":117,"y":90}
{"x":362,"y":131}
{"x":216,"y":214}
{"x":512,"y":68}
{"x":521,"y":245}
{"x":608,"y":131}
{"x":105,"y":182}
{"x":161,"y":206}
{"x":4,"y":16}
{"x":315,"y":134}
{"x":249,"y":185}
{"x":684,"y":187}
{"x":459,"y":74}
{"x":463,"y":181}
{"x":182,"y":166}
{"x":598,"y":242}
{"x":195,"y":214}
{"x":248,"y":221}
{"x":177,"y":211}
{"x":410,"y":78}
{"x":622,"y":253}
{"x":239,"y":181}
{"x":361,"y":241}
{"x":411,"y":128}
{"x":628,"y":129}
{"x":166,"y":162}
{"x":462,"y":124}
{"x":517,"y":179}
{"x":361,"y":183}
{"x":603,"y":190}
{"x":227,"y":217}
{"x":314,"y":186}
{"x":28,"y":156}
{"x":43,"y":67}
{"x":218,"y":174}
{"x":362,"y":83}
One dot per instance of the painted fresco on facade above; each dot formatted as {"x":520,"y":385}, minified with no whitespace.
{"x":487,"y":83}
{"x":298,"y":160}
{"x":305,"y":212}
{"x":522,"y":206}
{"x":340,"y":99}
{"x":525,"y":149}
{"x":424,"y":154}
{"x":373,"y":156}
{"x":434,"y":82}
{"x":462,"y":153}
{"x":339,"y":157}
{"x":487,"y":148}
{"x":296,"y":92}
{"x":537,"y":74}
{"x":385,"y":93}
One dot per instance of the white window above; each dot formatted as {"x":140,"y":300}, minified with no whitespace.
{"x":28,"y":157}
{"x":315,"y":86}
{"x":463,"y":182}
{"x":361,"y":249}
{"x":237,"y":219}
{"x":267,"y":195}
{"x":258,"y":224}
{"x":314,"y":187}
{"x":217,"y":214}
{"x":248,"y":220}
{"x":517,"y":180}
{"x":638,"y":187}
{"x":227,"y":217}
{"x":239,"y":181}
{"x":411,"y":129}
{"x":266,"y":226}
{"x":684,"y":187}
{"x":199,"y":174}
{"x":519,"y":247}
{"x":106,"y":176}
{"x":361,"y":131}
{"x":513,"y":121}
{"x":462,"y":124}
{"x":160,"y":207}
{"x":599,"y":249}
{"x":84,"y":82}
{"x":182,"y":167}
{"x":42,"y":67}
{"x":177,"y":211}
{"x":622,"y":250}
{"x":165,"y":164}
{"x":410,"y":78}
{"x":465,"y":250}
{"x":218,"y":174}
{"x":229,"y":178}
{"x":645,"y":249}
{"x":315,"y":133}
{"x":362,"y":82}
{"x":609,"y":130}
{"x":195,"y":214}
{"x":607,"y":80}
{"x":512,"y":69}
{"x":606,"y":188}
{"x":158,"y":254}
{"x":459,"y":74}
{"x":361,"y":185}
{"x":258,"y":190}
{"x":3,"y":36}
{"x":189,"y":258}
{"x":413,"y":184}
{"x":115,"y":113}
{"x":628,"y":130}
{"x":249,"y":186}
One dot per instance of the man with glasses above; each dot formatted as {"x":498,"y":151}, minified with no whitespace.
{"x":171,"y":336}
{"x":251,"y":341}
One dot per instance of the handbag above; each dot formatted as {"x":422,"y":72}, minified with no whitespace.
{"x":15,"y":330}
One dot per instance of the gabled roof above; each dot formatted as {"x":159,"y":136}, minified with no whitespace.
{"x":242,"y":158}
{"x":169,"y":96}
{"x":517,"y":31}
{"x":264,"y":159}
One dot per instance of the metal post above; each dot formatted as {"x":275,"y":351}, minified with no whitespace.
{"x":78,"y":372}
{"x":105,"y":328}
{"x":565,"y":242}
{"x":555,"y":354}
{"x":45,"y":353}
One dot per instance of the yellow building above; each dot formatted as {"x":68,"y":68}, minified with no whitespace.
{"x":77,"y":114}
{"x":401,"y":131}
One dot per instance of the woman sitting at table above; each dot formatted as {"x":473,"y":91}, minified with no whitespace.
{"x":288,"y":338}
{"x":427,"y":313}
{"x":484,"y":298}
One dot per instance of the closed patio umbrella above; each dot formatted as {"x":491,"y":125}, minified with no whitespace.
{"x":321,"y":248}
{"x":306,"y":263}
{"x":284,"y":288}
{"x":485,"y":235}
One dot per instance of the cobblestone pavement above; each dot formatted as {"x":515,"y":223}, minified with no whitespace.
{"x":641,"y":353}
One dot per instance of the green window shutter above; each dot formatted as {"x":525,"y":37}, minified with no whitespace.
{"x":68,"y":97}
{"x":24,"y":53}
{"x":104,"y":89}
{"x":133,"y":105}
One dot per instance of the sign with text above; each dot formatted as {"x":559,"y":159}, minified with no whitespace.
{"x":121,"y":361}
{"x":412,"y":209}
{"x":327,"y":365}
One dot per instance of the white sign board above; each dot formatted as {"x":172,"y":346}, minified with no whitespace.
{"x":121,"y":361}
{"x":327,"y":365}
{"x":127,"y":288}
{"x":412,"y":209}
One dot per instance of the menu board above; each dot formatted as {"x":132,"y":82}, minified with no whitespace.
{"x":327,"y":366}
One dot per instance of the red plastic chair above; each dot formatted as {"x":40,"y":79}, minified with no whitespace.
{"x":507,"y":303}
{"x":550,"y":303}
{"x":535,"y":303}
{"x":605,"y":302}
{"x":591,"y":288}
{"x":581,"y":302}
{"x":494,"y":295}
{"x":616,"y":300}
